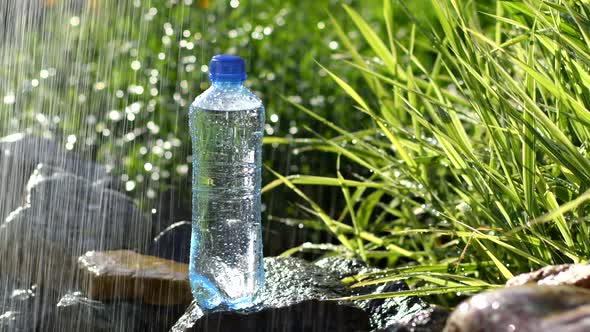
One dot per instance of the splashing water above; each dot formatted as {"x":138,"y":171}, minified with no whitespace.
{"x":88,"y":119}
{"x":93,"y":136}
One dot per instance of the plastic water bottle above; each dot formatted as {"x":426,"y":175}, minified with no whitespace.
{"x":226,"y":124}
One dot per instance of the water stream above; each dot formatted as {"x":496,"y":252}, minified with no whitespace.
{"x":94,"y":149}
{"x":91,"y":106}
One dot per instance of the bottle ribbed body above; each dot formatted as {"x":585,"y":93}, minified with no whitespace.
{"x":226,"y":266}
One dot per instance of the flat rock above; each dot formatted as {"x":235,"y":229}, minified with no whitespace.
{"x":529,"y":308}
{"x":296,"y":297}
{"x":63,"y":217}
{"x":124,"y":274}
{"x":566,"y":274}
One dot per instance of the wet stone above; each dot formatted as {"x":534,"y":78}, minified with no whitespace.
{"x":389,"y":314}
{"x":295,"y":298}
{"x":19,"y":156}
{"x":566,"y":274}
{"x":291,"y":280}
{"x":63,"y":217}
{"x":529,"y":308}
{"x":343,"y":267}
{"x":395,"y":314}
{"x":76,"y":312}
{"x":22,"y":308}
{"x":431,"y":319}
{"x":124,"y":274}
{"x":297,"y":294}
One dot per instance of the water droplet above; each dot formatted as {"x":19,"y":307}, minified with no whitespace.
{"x":9,"y":99}
{"x":130,"y":185}
{"x":74,"y":21}
{"x":135,"y":65}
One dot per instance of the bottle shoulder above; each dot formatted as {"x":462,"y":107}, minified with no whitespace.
{"x":227,"y":99}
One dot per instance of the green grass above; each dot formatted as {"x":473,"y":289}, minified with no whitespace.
{"x":478,"y":158}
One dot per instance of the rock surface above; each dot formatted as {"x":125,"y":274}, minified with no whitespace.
{"x":294,"y":299}
{"x":19,"y":156}
{"x":57,"y":205}
{"x":431,"y":319}
{"x":76,"y":312}
{"x":124,"y":274}
{"x":566,"y":274}
{"x":64,"y":217}
{"x":396,"y":314}
{"x":21,"y":308}
{"x":530,"y":308}
{"x":343,"y":267}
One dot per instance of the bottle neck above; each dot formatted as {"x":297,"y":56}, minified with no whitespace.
{"x":228,"y":84}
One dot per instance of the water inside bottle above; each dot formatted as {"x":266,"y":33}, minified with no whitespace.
{"x":226,"y":264}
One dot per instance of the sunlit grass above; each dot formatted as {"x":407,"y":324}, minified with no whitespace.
{"x":478,"y":159}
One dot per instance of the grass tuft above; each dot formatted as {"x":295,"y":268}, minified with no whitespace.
{"x":478,"y":158}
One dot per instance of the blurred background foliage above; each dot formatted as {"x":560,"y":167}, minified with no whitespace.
{"x":114,"y":79}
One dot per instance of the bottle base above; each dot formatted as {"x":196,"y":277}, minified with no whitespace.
{"x":209,"y":298}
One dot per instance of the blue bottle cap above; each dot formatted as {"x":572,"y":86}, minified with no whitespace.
{"x":225,"y":67}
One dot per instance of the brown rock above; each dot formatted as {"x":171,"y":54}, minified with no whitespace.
{"x":530,"y":308}
{"x":124,"y":274}
{"x":566,"y":274}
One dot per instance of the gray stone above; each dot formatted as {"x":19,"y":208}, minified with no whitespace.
{"x":291,"y":280}
{"x":23,"y":308}
{"x":431,"y":319}
{"x":554,"y":275}
{"x":75,"y":312}
{"x":343,"y":267}
{"x":390,"y":313}
{"x":530,"y":308}
{"x":43,"y":310}
{"x":394,"y":314}
{"x":65,"y":216}
{"x":297,"y":294}
{"x":19,"y":156}
{"x":295,"y":298}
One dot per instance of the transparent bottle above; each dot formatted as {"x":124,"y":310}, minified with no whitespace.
{"x":226,"y":125}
